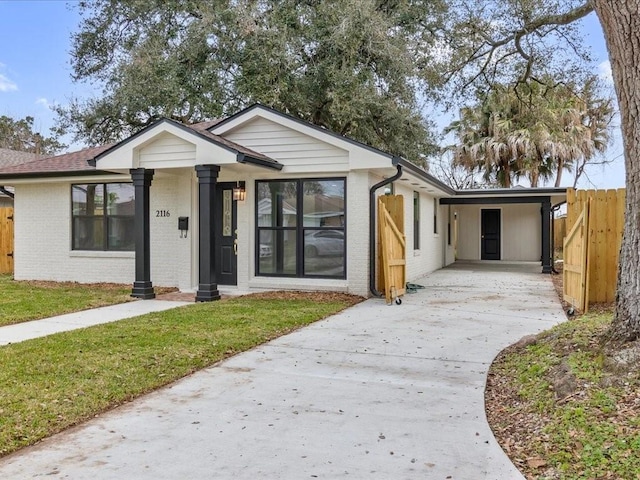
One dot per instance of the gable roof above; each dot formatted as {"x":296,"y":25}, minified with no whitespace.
{"x":395,"y":160}
{"x":83,"y":161}
{"x":244,"y":155}
{"x":299,"y":121}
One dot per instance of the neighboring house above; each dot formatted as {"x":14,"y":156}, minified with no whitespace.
{"x":9,"y":158}
{"x":258,"y":200}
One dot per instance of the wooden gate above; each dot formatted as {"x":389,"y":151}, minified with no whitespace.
{"x":575,"y":270}
{"x":606,"y":225}
{"x":393,"y":275}
{"x":6,"y":240}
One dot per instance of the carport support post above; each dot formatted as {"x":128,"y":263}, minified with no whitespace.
{"x":207,"y":282}
{"x":142,"y":287}
{"x":547,"y":266}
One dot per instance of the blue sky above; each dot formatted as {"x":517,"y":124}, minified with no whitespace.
{"x":35,"y":70}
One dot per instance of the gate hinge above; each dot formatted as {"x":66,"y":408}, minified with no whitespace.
{"x":10,"y":254}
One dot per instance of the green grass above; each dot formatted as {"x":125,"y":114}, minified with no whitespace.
{"x":592,"y":433}
{"x":51,"y":383}
{"x":24,"y":301}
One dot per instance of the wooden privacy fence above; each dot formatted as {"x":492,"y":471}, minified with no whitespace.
{"x":393,"y":276}
{"x":604,"y":237}
{"x":6,"y":240}
{"x":559,"y":232}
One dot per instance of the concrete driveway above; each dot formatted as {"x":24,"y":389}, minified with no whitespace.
{"x":389,"y":392}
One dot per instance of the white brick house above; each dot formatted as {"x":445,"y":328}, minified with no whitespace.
{"x":158,"y":209}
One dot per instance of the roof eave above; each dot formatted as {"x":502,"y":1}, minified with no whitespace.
{"x":424,"y":175}
{"x":516,"y":192}
{"x":243,"y":158}
{"x":70,"y":173}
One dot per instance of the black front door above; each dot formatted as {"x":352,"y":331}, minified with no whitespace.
{"x":226,"y":235}
{"x":490,"y":235}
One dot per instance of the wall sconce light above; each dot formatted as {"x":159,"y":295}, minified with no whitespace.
{"x":239,"y":193}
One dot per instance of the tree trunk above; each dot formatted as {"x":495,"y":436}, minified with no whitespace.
{"x":621,"y":25}
{"x":559,"y":172}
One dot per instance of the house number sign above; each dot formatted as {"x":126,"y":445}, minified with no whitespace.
{"x":162,"y":213}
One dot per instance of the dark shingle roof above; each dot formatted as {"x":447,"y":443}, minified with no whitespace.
{"x":73,"y":162}
{"x":9,"y":158}
{"x":205,"y":125}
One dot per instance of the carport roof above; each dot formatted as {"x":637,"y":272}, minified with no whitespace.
{"x":506,"y":195}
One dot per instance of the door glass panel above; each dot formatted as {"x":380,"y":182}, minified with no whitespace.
{"x":227,"y":210}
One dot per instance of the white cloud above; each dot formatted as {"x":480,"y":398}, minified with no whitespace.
{"x":45,"y":103}
{"x":604,"y":71}
{"x":7,"y":85}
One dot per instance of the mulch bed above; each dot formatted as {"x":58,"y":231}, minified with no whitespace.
{"x":320,"y":297}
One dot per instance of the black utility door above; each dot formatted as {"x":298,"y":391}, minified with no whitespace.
{"x":226,"y":226}
{"x":490,"y":235}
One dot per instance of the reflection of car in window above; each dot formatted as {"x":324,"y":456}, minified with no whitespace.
{"x":323,"y":243}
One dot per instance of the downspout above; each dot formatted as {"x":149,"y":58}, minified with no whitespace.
{"x":372,"y":228}
{"x":6,"y":192}
{"x":554,"y":209}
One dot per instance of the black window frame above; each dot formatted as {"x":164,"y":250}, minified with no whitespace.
{"x":300,"y":229}
{"x":105,"y":219}
{"x":416,"y":220}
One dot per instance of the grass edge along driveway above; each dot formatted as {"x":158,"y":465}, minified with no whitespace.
{"x":54,"y":382}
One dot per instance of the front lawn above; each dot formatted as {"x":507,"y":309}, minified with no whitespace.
{"x":51,"y":383}
{"x":21,"y":301}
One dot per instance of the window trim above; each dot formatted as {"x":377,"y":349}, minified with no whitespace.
{"x":105,"y":219}
{"x":300,"y":230}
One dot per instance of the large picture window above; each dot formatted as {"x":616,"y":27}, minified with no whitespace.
{"x":103,"y":216}
{"x":301,"y":228}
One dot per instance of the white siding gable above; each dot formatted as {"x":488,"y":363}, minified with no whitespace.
{"x":296,"y":151}
{"x":167,"y":150}
{"x":165,"y":145}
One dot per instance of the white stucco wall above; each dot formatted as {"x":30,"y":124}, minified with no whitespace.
{"x":521,"y":231}
{"x":43,"y":237}
{"x":43,"y":241}
{"x":43,"y":216}
{"x":429,"y":256}
{"x":172,"y":260}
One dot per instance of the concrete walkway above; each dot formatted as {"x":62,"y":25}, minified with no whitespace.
{"x":87,"y":318}
{"x":388,"y":392}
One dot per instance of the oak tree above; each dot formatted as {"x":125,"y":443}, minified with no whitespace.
{"x":20,"y":135}
{"x":347,"y":66}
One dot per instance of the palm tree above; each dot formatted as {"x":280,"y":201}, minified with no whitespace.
{"x":532,"y":130}
{"x":483,"y":144}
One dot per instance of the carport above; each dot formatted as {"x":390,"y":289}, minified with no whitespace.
{"x":504,"y":224}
